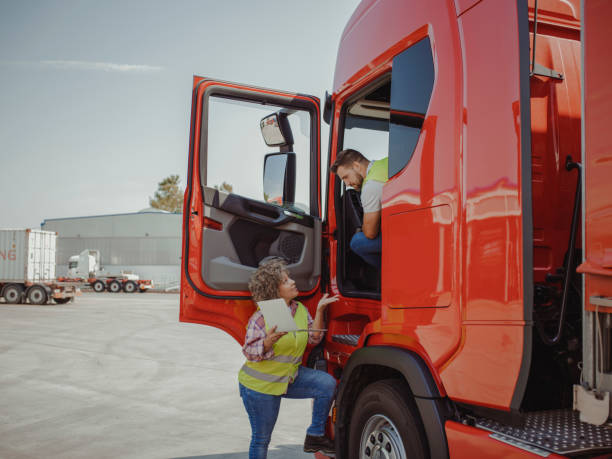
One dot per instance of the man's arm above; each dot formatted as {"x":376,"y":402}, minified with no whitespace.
{"x":371,"y":224}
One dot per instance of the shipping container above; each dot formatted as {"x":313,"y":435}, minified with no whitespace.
{"x":27,"y":255}
{"x":27,"y":267}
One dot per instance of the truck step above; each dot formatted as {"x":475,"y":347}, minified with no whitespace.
{"x":557,"y":431}
{"x":351,"y":340}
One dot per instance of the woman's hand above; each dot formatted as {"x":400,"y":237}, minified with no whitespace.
{"x":325,"y":301}
{"x":272,"y":336}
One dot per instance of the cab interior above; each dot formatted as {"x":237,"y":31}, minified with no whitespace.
{"x":365,"y":128}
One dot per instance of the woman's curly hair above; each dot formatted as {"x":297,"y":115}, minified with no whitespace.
{"x":265,"y":282}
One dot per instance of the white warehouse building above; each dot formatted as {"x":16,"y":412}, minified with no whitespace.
{"x":147,"y":243}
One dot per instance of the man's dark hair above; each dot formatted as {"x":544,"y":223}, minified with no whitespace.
{"x":346,"y":158}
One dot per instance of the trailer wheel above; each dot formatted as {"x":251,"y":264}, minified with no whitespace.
{"x":385,"y":423}
{"x":61,"y":300}
{"x":114,"y":286}
{"x":37,"y":295}
{"x":130,"y":287}
{"x":98,"y":286}
{"x":13,"y":293}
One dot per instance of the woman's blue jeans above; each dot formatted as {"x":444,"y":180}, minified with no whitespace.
{"x":263,"y":408}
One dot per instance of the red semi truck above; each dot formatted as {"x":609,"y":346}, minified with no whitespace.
{"x":488,"y":330}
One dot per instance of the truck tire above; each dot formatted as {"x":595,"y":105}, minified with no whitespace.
{"x":114,"y":286}
{"x":385,"y":423}
{"x":37,"y":295}
{"x":98,"y":286}
{"x":13,"y":293}
{"x":130,"y":287}
{"x":61,"y":300}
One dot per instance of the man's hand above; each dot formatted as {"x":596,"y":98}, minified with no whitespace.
{"x":272,"y":336}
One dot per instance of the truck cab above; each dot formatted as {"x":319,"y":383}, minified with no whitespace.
{"x":478,"y":334}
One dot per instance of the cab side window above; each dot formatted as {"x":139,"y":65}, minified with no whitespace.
{"x":412,"y":81}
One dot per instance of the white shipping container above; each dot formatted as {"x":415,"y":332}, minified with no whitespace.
{"x":27,"y":255}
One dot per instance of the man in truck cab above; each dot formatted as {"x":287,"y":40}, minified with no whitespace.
{"x":357,"y":172}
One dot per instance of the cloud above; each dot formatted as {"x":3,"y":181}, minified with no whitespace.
{"x":87,"y":65}
{"x":104,"y":66}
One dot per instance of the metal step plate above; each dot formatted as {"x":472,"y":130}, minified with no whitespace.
{"x":351,"y":340}
{"x":558,"y":431}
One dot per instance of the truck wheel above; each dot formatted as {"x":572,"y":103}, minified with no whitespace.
{"x":130,"y":287}
{"x":385,"y":423}
{"x":13,"y":294}
{"x":61,"y":300}
{"x":98,"y":286}
{"x":37,"y":295}
{"x":114,"y":286}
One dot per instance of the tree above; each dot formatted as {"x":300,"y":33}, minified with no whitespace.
{"x":224,"y":187}
{"x":169,"y":195}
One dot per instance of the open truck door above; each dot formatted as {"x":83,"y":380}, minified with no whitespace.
{"x":253,"y":191}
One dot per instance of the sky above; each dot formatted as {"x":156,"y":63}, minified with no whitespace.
{"x":95,"y":96}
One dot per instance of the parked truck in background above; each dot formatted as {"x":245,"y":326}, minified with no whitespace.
{"x":87,"y":268}
{"x":27,"y":268}
{"x":488,"y":331}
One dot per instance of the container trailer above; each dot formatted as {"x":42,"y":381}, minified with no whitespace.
{"x":27,"y":268}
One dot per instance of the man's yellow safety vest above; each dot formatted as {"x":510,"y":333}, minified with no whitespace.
{"x":379,"y":171}
{"x":273,"y":376}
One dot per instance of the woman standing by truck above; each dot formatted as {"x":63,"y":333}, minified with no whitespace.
{"x":273,"y":369}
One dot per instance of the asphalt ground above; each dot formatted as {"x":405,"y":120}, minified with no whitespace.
{"x":117,"y":376}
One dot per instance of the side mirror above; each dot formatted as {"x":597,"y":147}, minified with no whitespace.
{"x":327,"y":108}
{"x":279,"y":178}
{"x":276,"y":130}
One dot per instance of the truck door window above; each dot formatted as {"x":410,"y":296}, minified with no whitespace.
{"x":236,"y":149}
{"x":412,"y":80}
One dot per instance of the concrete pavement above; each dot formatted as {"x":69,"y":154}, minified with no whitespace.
{"x":116,"y":375}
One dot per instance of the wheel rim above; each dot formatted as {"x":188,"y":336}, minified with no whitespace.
{"x":98,"y":286}
{"x":114,"y":287}
{"x":11,"y":295}
{"x":380,"y":439}
{"x":36,"y":296}
{"x":129,"y":287}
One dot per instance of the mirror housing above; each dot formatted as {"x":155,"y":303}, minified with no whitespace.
{"x":327,"y":108}
{"x":276,"y":131}
{"x":279,"y":178}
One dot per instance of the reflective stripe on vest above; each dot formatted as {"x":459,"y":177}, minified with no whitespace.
{"x":264,"y":376}
{"x":272,"y":376}
{"x":379,"y":171}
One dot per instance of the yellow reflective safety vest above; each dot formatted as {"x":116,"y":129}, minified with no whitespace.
{"x":273,"y":376}
{"x":379,"y":171}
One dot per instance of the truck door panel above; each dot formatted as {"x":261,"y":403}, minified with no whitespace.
{"x":230,"y":257}
{"x":229,"y":224}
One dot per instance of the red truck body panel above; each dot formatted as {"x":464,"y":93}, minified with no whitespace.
{"x":482,"y":210}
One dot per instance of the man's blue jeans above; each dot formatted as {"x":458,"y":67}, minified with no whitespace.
{"x":263,"y":408}
{"x":368,"y":249}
